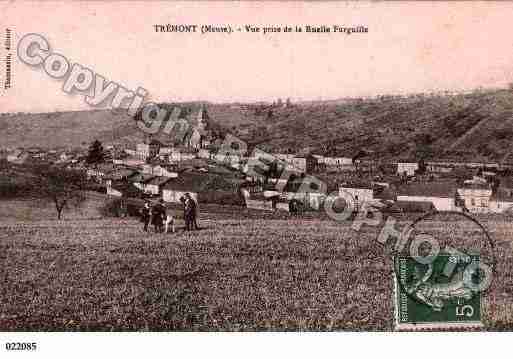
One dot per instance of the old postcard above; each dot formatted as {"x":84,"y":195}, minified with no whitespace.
{"x":255,"y":166}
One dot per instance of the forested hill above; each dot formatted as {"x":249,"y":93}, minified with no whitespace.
{"x":466,"y":126}
{"x":475,"y":126}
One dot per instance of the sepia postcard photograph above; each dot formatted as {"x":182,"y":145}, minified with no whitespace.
{"x":315,"y":168}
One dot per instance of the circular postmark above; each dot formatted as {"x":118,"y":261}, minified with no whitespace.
{"x":445,"y":259}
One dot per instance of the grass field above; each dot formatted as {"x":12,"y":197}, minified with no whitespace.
{"x":237,"y":273}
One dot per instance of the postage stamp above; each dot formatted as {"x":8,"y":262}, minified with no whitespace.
{"x":442,"y":294}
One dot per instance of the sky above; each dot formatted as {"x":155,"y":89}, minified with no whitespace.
{"x":409,"y":48}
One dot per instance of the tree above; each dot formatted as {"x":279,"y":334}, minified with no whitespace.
{"x":96,"y":154}
{"x":423,"y":146}
{"x":422,"y":167}
{"x":62,"y":186}
{"x":423,"y":152}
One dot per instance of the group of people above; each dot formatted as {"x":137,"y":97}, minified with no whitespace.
{"x":158,"y":217}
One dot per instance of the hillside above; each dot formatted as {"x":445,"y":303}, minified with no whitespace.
{"x":467,"y":126}
{"x":63,"y":129}
{"x":475,"y":126}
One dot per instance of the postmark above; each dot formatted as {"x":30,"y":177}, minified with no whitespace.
{"x":442,"y":287}
{"x":427,"y":299}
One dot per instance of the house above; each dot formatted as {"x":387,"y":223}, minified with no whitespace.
{"x":192,"y":183}
{"x":295,"y":164}
{"x":165,"y":151}
{"x":100,"y":171}
{"x":252,"y":187}
{"x":64,"y":157}
{"x":356,"y":194}
{"x":278,"y":182}
{"x":139,"y":179}
{"x":260,"y":202}
{"x":17,"y":156}
{"x":155,"y":184}
{"x":120,"y":174}
{"x":111,"y":191}
{"x":129,"y":161}
{"x":179,"y":155}
{"x":201,"y":186}
{"x":36,"y":152}
{"x":285,"y":157}
{"x":154,"y":148}
{"x":204,"y":153}
{"x":501,"y":201}
{"x":380,"y":184}
{"x":133,"y":153}
{"x":158,"y":170}
{"x":282,"y":205}
{"x":407,"y":168}
{"x":172,"y":192}
{"x":441,"y":194}
{"x":319,"y":158}
{"x":476,"y":198}
{"x":476,"y":180}
{"x":482,"y":197}
{"x":311,"y":200}
{"x":439,"y":167}
{"x":192,"y":138}
{"x":199,"y":120}
{"x":292,"y":189}
{"x":122,"y":189}
{"x":206,"y":141}
{"x":311,"y":163}
{"x":409,"y":207}
{"x":206,"y":138}
{"x":337,"y":164}
{"x":337,"y":161}
{"x":234,"y":160}
{"x":148,"y":150}
{"x":142,"y":151}
{"x":299,"y":163}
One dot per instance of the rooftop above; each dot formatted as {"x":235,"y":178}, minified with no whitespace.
{"x":429,"y":189}
{"x":140,"y":177}
{"x":503,"y":194}
{"x":121,"y":173}
{"x":198,"y":182}
{"x":157,"y":181}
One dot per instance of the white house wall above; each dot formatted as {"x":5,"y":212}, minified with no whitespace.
{"x":174,"y":196}
{"x":440,"y":203}
{"x":500,"y":206}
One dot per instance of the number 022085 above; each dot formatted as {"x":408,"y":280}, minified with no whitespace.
{"x":20,"y":346}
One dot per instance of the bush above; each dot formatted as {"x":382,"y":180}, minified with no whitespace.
{"x":15,"y":190}
{"x":111,"y":208}
{"x":221,"y":197}
{"x":121,"y":208}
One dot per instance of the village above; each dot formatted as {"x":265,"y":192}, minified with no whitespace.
{"x":155,"y":169}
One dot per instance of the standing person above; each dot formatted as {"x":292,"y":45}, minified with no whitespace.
{"x":146,"y":215}
{"x":159,"y":215}
{"x":186,"y":213}
{"x":193,"y":210}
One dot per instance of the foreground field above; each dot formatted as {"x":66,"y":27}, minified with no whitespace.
{"x":234,"y":274}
